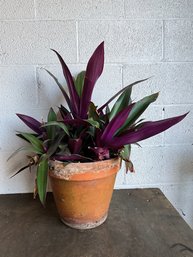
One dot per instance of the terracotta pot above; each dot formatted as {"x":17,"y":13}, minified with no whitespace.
{"x":82,"y":191}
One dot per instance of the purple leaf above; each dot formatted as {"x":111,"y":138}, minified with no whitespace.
{"x":93,"y":72}
{"x":115,"y":124}
{"x":64,"y":113}
{"x":75,"y":145}
{"x":75,"y":100}
{"x":31,"y":123}
{"x":148,"y":129}
{"x":119,"y":92}
{"x":72,"y":157}
{"x":62,"y":89}
{"x":75,"y":122}
{"x":98,"y":137}
{"x":100,"y":153}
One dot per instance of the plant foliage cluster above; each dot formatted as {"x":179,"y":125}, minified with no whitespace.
{"x":85,"y":132}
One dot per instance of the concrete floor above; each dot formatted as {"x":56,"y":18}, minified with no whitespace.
{"x":141,"y":223}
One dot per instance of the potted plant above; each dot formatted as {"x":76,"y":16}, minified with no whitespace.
{"x":83,"y":148}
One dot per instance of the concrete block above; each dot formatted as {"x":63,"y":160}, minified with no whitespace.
{"x":152,"y":113}
{"x":182,"y":132}
{"x":173,"y":80}
{"x":180,"y":195}
{"x":177,"y":164}
{"x":81,"y":9}
{"x":108,"y":84}
{"x":160,"y":165}
{"x":148,"y":165}
{"x":21,"y":183}
{"x":18,"y":88}
{"x":10,"y":124}
{"x":120,"y":179}
{"x":17,"y":9}
{"x":125,"y":41}
{"x":30,"y":42}
{"x":151,"y":9}
{"x":50,"y":95}
{"x":178,"y":40}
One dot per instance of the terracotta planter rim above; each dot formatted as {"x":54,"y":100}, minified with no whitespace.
{"x":80,"y":163}
{"x":84,"y":171}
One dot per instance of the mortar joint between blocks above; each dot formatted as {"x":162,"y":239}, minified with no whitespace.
{"x":163,"y":41}
{"x":77,"y":43}
{"x":35,"y":9}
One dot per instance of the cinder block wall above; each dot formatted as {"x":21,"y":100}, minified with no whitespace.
{"x":143,"y":38}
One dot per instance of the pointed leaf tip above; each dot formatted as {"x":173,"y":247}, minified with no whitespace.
{"x":74,"y":97}
{"x":31,"y":123}
{"x":93,"y":72}
{"x":148,"y":129}
{"x":138,"y":109}
{"x":119,"y":92}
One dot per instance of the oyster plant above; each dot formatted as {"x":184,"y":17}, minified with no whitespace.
{"x":85,"y":132}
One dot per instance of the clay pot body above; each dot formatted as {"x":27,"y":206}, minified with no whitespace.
{"x":82,"y":191}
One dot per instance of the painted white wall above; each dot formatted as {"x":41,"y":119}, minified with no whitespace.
{"x":142,"y":39}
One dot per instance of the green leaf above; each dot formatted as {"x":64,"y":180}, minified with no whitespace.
{"x":93,"y":117}
{"x":51,"y":117}
{"x":137,"y":110}
{"x":119,"y":92}
{"x":107,"y":110}
{"x":42,"y":174}
{"x":122,"y":102}
{"x":36,"y":143}
{"x":79,"y":82}
{"x":64,"y":150}
{"x":59,"y":124}
{"x":20,"y":136}
{"x":92,"y":112}
{"x":125,"y":155}
{"x":125,"y":152}
{"x":61,"y":88}
{"x":94,"y":123}
{"x":63,"y":111}
{"x":24,"y":148}
{"x":20,"y":170}
{"x":56,"y":80}
{"x":54,"y":144}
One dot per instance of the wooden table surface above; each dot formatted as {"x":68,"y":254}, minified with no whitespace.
{"x":141,"y":223}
